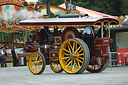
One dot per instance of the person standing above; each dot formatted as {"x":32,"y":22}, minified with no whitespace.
{"x":5,"y":57}
{"x":15,"y":57}
{"x":2,"y":56}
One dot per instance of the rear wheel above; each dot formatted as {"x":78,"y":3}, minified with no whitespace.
{"x":55,"y":66}
{"x":98,"y":68}
{"x":36,"y":63}
{"x":74,"y":56}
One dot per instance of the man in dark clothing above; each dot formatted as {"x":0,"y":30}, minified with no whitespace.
{"x":14,"y":55}
{"x":88,"y":36}
{"x":2,"y":56}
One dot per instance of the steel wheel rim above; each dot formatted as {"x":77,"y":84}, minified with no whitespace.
{"x":55,"y":67}
{"x":35,"y":63}
{"x":94,"y":67}
{"x":71,"y":56}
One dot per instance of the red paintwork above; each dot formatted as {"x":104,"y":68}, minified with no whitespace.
{"x":54,"y":54}
{"x":31,"y":49}
{"x":14,"y":2}
{"x":101,"y":48}
{"x":70,"y":29}
{"x":120,"y":57}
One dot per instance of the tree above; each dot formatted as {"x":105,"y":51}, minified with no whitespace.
{"x":124,"y":7}
{"x":111,"y":7}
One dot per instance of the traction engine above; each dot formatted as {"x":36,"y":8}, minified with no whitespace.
{"x":61,"y":44}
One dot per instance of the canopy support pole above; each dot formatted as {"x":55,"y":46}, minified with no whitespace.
{"x":102,"y":24}
{"x":25,"y":35}
{"x":109,"y":30}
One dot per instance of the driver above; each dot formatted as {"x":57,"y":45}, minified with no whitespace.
{"x":88,"y":36}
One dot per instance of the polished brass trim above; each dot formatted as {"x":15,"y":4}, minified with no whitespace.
{"x":45,"y":48}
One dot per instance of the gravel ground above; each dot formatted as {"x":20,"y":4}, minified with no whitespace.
{"x":22,"y":76}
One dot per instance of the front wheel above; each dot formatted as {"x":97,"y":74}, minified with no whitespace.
{"x":36,"y":63}
{"x":74,"y":56}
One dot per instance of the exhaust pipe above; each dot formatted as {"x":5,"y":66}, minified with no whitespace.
{"x":48,"y":7}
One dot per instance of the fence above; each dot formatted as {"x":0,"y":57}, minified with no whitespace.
{"x":120,"y":59}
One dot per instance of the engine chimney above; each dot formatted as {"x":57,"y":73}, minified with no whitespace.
{"x":48,"y":7}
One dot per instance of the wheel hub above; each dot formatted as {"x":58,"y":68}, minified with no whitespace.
{"x":72,"y":56}
{"x":37,"y":63}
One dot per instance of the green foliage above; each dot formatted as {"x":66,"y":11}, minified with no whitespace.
{"x":112,"y":7}
{"x":124,"y":7}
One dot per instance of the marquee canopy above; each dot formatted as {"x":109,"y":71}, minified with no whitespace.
{"x":91,"y":13}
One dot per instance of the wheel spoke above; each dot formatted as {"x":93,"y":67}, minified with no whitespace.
{"x":76,"y":46}
{"x":73,"y":47}
{"x":57,"y":67}
{"x":70,"y":45}
{"x":79,"y":60}
{"x":75,"y":63}
{"x":65,"y":57}
{"x":35,"y":68}
{"x":37,"y":57}
{"x":39,"y":66}
{"x":79,"y":64}
{"x":40,"y":61}
{"x":66,"y":54}
{"x":69,"y":49}
{"x":69,"y":63}
{"x":78,"y":49}
{"x":66,"y":50}
{"x":92,"y":67}
{"x":79,"y":54}
{"x":53,"y":64}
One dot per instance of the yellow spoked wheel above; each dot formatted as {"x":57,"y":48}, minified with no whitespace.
{"x":55,"y":66}
{"x":74,"y":56}
{"x":97,"y":68}
{"x":36,"y":63}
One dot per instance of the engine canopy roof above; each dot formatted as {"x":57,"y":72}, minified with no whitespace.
{"x":69,"y":21}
